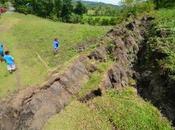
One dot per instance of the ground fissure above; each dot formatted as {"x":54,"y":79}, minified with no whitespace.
{"x":30,"y":108}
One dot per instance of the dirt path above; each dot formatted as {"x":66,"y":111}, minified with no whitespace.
{"x":4,"y":28}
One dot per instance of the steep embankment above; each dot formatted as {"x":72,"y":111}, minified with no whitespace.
{"x":156,"y":66}
{"x":31,"y":108}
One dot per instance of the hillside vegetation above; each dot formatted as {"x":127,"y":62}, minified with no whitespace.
{"x":157,"y":64}
{"x":29,"y":39}
{"x":121,"y":109}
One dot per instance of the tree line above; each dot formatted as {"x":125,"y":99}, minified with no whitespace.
{"x":157,"y":3}
{"x":164,"y":3}
{"x":77,"y":12}
{"x":62,"y":10}
{"x":3,"y":3}
{"x":139,"y":6}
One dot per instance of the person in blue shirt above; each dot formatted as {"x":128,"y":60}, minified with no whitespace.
{"x":56,"y":45}
{"x":9,"y":61}
{"x":1,"y":52}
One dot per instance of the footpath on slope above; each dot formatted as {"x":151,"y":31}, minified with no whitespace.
{"x":29,"y":109}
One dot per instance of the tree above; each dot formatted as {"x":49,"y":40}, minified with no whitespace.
{"x":58,"y":4}
{"x":43,"y":8}
{"x":66,"y":10}
{"x":128,"y":3}
{"x":164,"y":3}
{"x":80,"y":9}
{"x":3,"y":1}
{"x":22,"y":6}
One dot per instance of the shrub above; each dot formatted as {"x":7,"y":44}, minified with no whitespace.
{"x":75,"y":18}
{"x":23,"y":9}
{"x":104,"y":21}
{"x":113,"y":21}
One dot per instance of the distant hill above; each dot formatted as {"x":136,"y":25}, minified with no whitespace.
{"x":92,"y":4}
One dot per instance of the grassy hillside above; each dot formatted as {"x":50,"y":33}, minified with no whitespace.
{"x":122,"y":110}
{"x":165,"y":20}
{"x":29,"y":39}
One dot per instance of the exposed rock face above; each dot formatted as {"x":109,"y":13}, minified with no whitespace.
{"x":99,"y":54}
{"x":29,"y":109}
{"x":122,"y":47}
{"x":124,"y":51}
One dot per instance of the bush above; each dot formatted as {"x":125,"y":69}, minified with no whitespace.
{"x":104,"y":21}
{"x":136,"y":8}
{"x":23,"y":9}
{"x":90,"y":20}
{"x":113,"y":21}
{"x":75,"y":18}
{"x":97,"y":21}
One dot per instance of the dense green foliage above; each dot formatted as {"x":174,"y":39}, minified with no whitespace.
{"x":55,"y":9}
{"x":80,"y":9}
{"x":163,"y":41}
{"x":136,"y":7}
{"x":164,"y":3}
{"x":3,"y":3}
{"x":101,"y":10}
{"x":68,"y":11}
{"x":121,"y":109}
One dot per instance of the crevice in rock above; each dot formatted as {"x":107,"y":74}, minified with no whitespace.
{"x":153,"y":83}
{"x":91,"y":95}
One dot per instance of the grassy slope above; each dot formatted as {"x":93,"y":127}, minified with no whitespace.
{"x":78,"y":116}
{"x":166,"y":21}
{"x":29,"y":39}
{"x":121,"y":109}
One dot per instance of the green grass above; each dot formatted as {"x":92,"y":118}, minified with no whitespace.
{"x":121,"y":109}
{"x":100,"y":20}
{"x":78,"y":116}
{"x":95,"y":79}
{"x":29,"y":39}
{"x":127,"y":111}
{"x":165,"y":20}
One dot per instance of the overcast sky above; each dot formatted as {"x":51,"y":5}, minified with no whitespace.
{"x":116,"y":2}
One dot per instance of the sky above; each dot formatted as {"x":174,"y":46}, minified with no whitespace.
{"x":115,"y":2}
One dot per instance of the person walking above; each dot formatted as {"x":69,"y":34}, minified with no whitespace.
{"x":56,"y":45}
{"x":9,"y":61}
{"x":1,"y":52}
